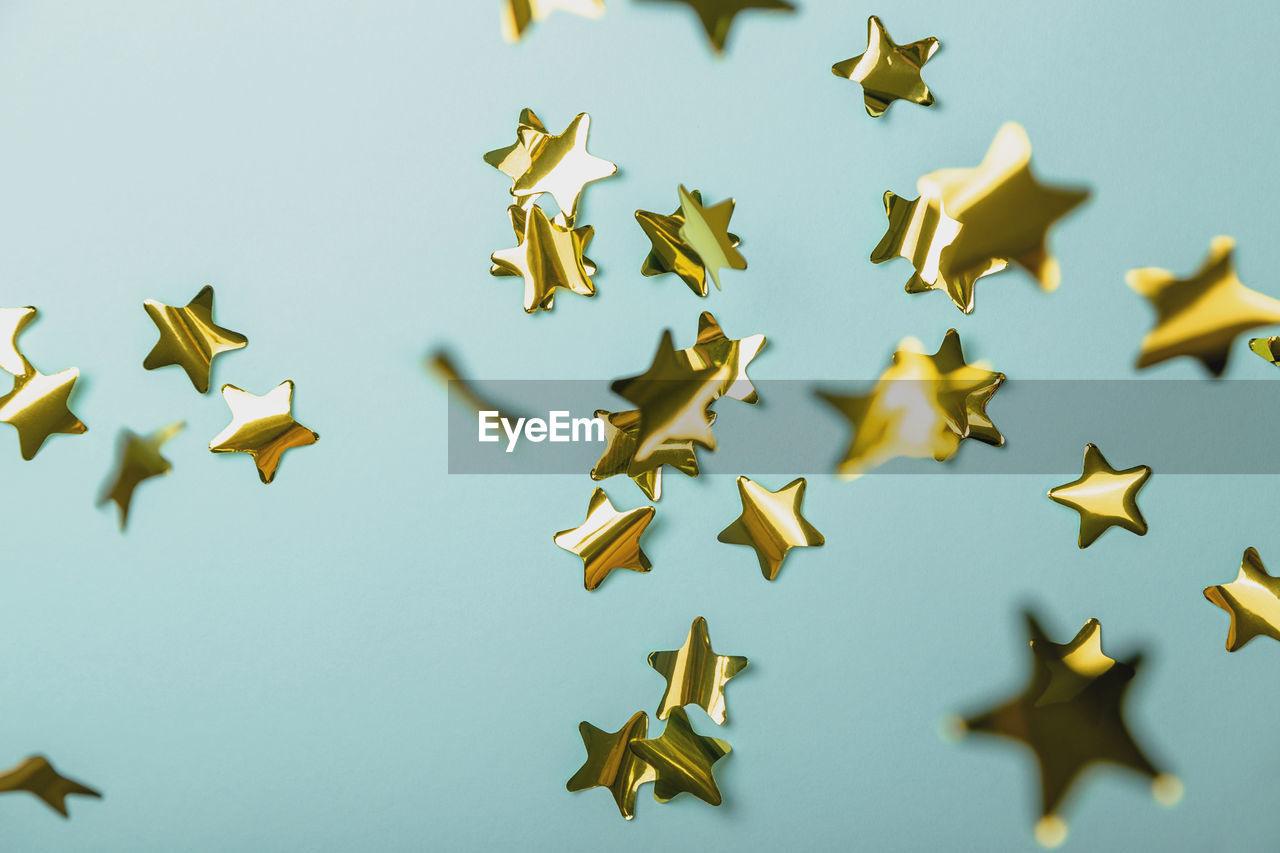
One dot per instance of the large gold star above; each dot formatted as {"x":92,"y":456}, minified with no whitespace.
{"x":771,"y":523}
{"x":705,"y":231}
{"x":139,"y":459}
{"x":621,"y":432}
{"x":12,"y":322}
{"x":607,"y":539}
{"x":714,"y":349}
{"x":1252,"y":599}
{"x":189,"y":337}
{"x":36,"y":776}
{"x":517,"y":15}
{"x":682,"y":760}
{"x":548,"y":255}
{"x":1071,"y":715}
{"x":695,"y":674}
{"x":717,"y":15}
{"x":37,"y":408}
{"x":1202,"y":315}
{"x":887,"y":71}
{"x":963,"y":389}
{"x":262,"y":426}
{"x":669,"y":252}
{"x":612,"y":764}
{"x":560,"y":165}
{"x":1104,"y":497}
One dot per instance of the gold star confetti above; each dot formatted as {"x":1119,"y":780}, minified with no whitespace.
{"x":717,"y":15}
{"x":682,"y":760}
{"x":1071,"y":716}
{"x":1266,"y":348}
{"x":612,"y":764}
{"x":36,"y":775}
{"x":262,"y":426}
{"x":558,"y":164}
{"x":695,"y":674}
{"x":1252,"y":599}
{"x":669,"y":252}
{"x":37,"y":408}
{"x":1200,"y":316}
{"x":705,"y":231}
{"x":607,"y":539}
{"x":139,"y":459}
{"x":713,"y":349}
{"x":622,"y":429}
{"x":771,"y":523}
{"x":519,"y":217}
{"x":887,"y":71}
{"x":189,"y":337}
{"x":1104,"y":497}
{"x":514,"y":160}
{"x":548,"y":256}
{"x":518,"y":15}
{"x":964,"y":389}
{"x":12,"y":322}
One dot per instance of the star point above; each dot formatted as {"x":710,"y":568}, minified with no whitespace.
{"x":262,"y":426}
{"x":887,"y":71}
{"x":716,"y":16}
{"x":36,"y":776}
{"x":695,"y":674}
{"x":189,"y":338}
{"x":607,"y":539}
{"x":771,"y":523}
{"x":1252,"y":600}
{"x":12,"y":322}
{"x":519,"y":15}
{"x":1104,"y":497}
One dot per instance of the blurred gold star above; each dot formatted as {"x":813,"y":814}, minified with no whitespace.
{"x":714,"y":349}
{"x":695,"y":674}
{"x":36,"y":776}
{"x":771,"y":523}
{"x":559,"y":164}
{"x":622,"y":429}
{"x":548,"y":255}
{"x":607,"y":539}
{"x":963,"y":389}
{"x":705,"y":231}
{"x":1252,"y":599}
{"x":682,"y":760}
{"x":517,"y":15}
{"x":262,"y":426}
{"x":139,"y":459}
{"x":189,"y":337}
{"x":12,"y":322}
{"x":672,"y":397}
{"x":717,"y":15}
{"x":888,"y":71}
{"x":612,"y":764}
{"x":37,"y":408}
{"x":1104,"y":497}
{"x":669,"y":252}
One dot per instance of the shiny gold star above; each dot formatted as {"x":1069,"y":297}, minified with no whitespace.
{"x":37,"y":408}
{"x":717,"y":15}
{"x":714,"y":349}
{"x":189,"y":337}
{"x":560,"y":165}
{"x":262,"y":426}
{"x":669,"y":252}
{"x":887,"y":71}
{"x":607,"y":539}
{"x":36,"y":776}
{"x":12,"y":322}
{"x":1104,"y":497}
{"x":612,"y":764}
{"x":1071,"y":715}
{"x":771,"y":523}
{"x":139,"y":459}
{"x":695,"y":674}
{"x":519,"y":218}
{"x":705,"y":231}
{"x":682,"y":760}
{"x":1200,"y":316}
{"x":1267,"y":349}
{"x":963,"y":389}
{"x":548,"y":256}
{"x":622,"y":431}
{"x":1252,"y":599}
{"x":518,"y":15}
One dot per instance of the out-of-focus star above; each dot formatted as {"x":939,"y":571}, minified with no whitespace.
{"x":518,"y":15}
{"x":1104,"y":497}
{"x":262,"y":426}
{"x":612,"y":764}
{"x":548,"y":256}
{"x":607,"y":539}
{"x":12,"y":322}
{"x":1252,"y":599}
{"x":622,"y":429}
{"x":1202,"y":315}
{"x":139,"y":459}
{"x":669,"y":252}
{"x":963,"y":389}
{"x":37,"y":408}
{"x":717,"y":15}
{"x":682,"y":760}
{"x":36,"y":776}
{"x":695,"y":674}
{"x":189,"y":338}
{"x":706,"y":231}
{"x":714,"y":349}
{"x":888,"y":71}
{"x":771,"y":523}
{"x":561,"y":166}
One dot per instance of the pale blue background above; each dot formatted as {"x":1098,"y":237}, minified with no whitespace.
{"x":370,"y":654}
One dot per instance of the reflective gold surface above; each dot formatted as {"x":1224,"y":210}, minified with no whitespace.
{"x":138,"y":458}
{"x":557,"y":164}
{"x":518,"y":15}
{"x":889,"y":72}
{"x":1266,"y":348}
{"x":705,"y":231}
{"x":672,"y":397}
{"x":547,"y":256}
{"x":12,"y":322}
{"x":669,"y":252}
{"x":37,"y":408}
{"x":36,"y":776}
{"x":262,"y":426}
{"x":622,"y":431}
{"x":695,"y":674}
{"x":189,"y":338}
{"x":519,"y":218}
{"x":682,"y":760}
{"x":771,"y":523}
{"x":607,"y":539}
{"x":713,"y":349}
{"x":717,"y":16}
{"x":514,"y":159}
{"x":1200,"y":316}
{"x":612,"y":764}
{"x":1252,"y":599}
{"x":964,"y":390}
{"x":1104,"y":497}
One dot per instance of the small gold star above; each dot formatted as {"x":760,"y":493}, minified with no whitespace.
{"x":547,"y":256}
{"x":713,"y":349}
{"x":717,"y":15}
{"x":517,"y":15}
{"x":1267,"y":349}
{"x":12,"y":322}
{"x":887,"y":71}
{"x":36,"y":776}
{"x":706,"y":232}
{"x":669,"y":252}
{"x":140,"y":460}
{"x":37,"y":408}
{"x":1104,"y":497}
{"x":963,"y":389}
{"x":262,"y":426}
{"x":622,"y":429}
{"x":561,"y":166}
{"x":612,"y":764}
{"x":1252,"y":599}
{"x":695,"y":674}
{"x":1200,"y":316}
{"x":607,"y":539}
{"x":682,"y":760}
{"x":771,"y":523}
{"x":189,"y":337}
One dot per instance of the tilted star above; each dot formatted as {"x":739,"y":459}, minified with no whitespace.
{"x":1202,"y":315}
{"x":514,"y":160}
{"x":714,"y":349}
{"x":771,"y":523}
{"x":519,"y":218}
{"x":887,"y":71}
{"x":695,"y":674}
{"x":1071,"y":715}
{"x":717,"y":15}
{"x":189,"y":338}
{"x":139,"y":459}
{"x":669,"y":252}
{"x":1252,"y":599}
{"x":607,"y":539}
{"x":1267,"y":349}
{"x":262,"y":426}
{"x":706,"y":231}
{"x":12,"y":322}
{"x":682,"y":760}
{"x":1104,"y":497}
{"x":963,"y":390}
{"x":561,"y":166}
{"x":548,"y":256}
{"x":612,"y":764}
{"x":622,"y":429}
{"x":517,"y":15}
{"x":37,"y":408}
{"x":36,"y":776}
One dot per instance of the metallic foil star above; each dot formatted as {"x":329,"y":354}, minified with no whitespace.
{"x":517,"y":15}
{"x":139,"y":459}
{"x":612,"y":764}
{"x":963,"y":391}
{"x":771,"y":523}
{"x":36,"y":775}
{"x":548,"y":256}
{"x":713,"y":349}
{"x":189,"y":337}
{"x":607,"y":539}
{"x":12,"y":322}
{"x":1267,"y":349}
{"x":669,"y":252}
{"x":622,"y":431}
{"x":262,"y":426}
{"x":1200,"y":316}
{"x":1252,"y":599}
{"x":705,"y":231}
{"x":888,"y":71}
{"x":695,"y":674}
{"x":682,"y":760}
{"x":37,"y":408}
{"x":717,"y":15}
{"x":558,"y":164}
{"x":1104,"y":497}
{"x":519,"y":217}
{"x":514,"y":160}
{"x":1071,"y":715}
